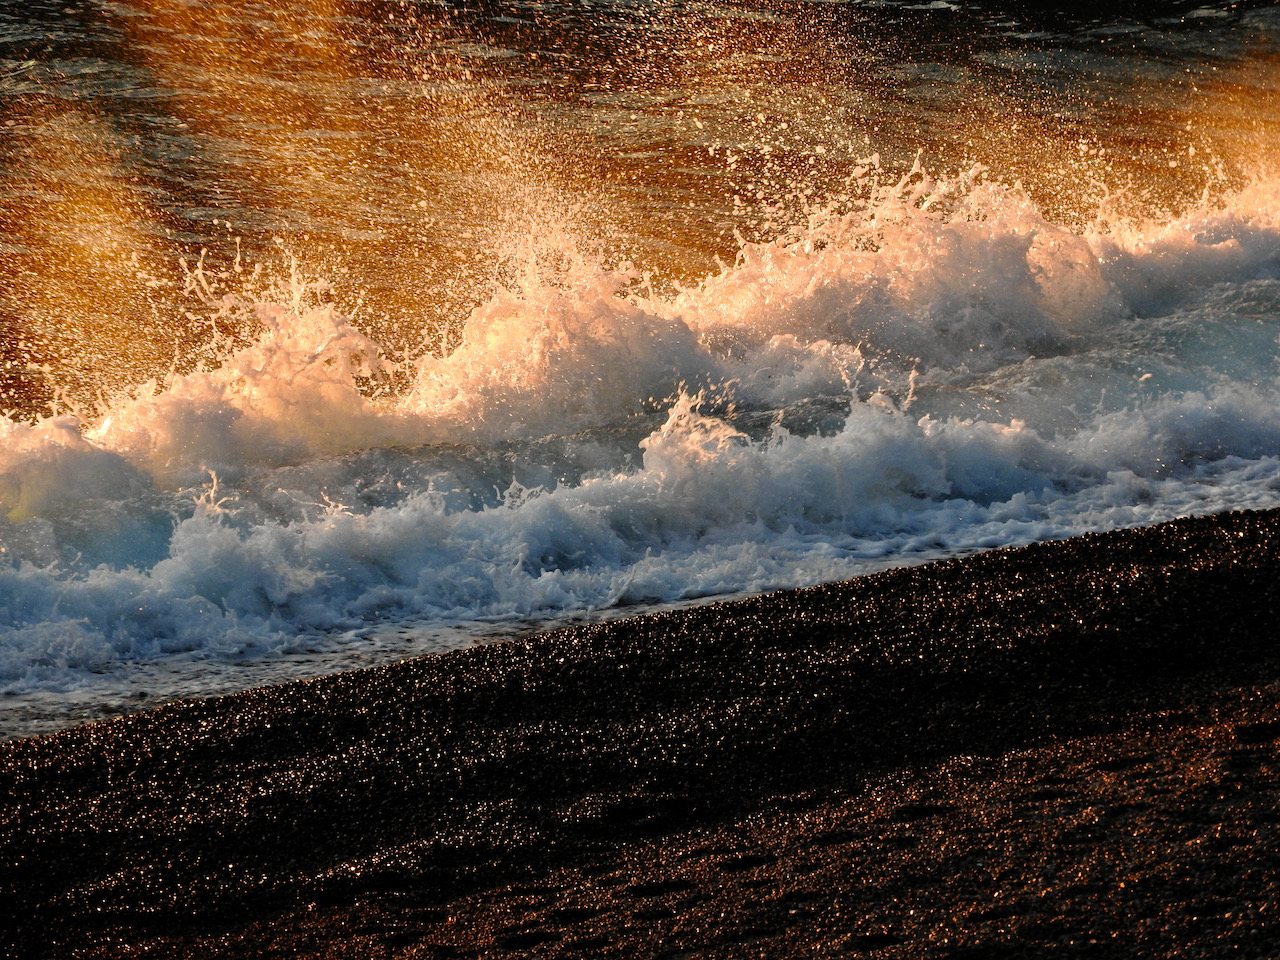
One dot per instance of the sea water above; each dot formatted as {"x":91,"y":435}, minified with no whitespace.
{"x":337,"y":332}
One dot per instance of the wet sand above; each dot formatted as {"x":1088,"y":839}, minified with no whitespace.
{"x":1066,"y":750}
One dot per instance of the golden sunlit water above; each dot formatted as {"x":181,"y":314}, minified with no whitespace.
{"x":402,"y":151}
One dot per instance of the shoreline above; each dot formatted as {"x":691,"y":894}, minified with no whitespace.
{"x":1072,"y":746}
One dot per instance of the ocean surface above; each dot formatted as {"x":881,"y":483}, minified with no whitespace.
{"x":338,"y":331}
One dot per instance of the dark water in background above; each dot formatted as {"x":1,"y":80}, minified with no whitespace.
{"x":325,"y":321}
{"x":396,"y":148}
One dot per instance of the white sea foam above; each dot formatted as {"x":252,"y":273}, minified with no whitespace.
{"x":929,"y":369}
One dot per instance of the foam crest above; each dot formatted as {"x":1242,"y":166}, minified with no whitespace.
{"x":1155,"y":266}
{"x":927,"y":368}
{"x":293,"y":392}
{"x":921,"y":276}
{"x":923,"y":273}
{"x":549,"y":359}
{"x":1175,"y":431}
{"x":49,"y":467}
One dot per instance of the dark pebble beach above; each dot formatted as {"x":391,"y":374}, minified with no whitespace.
{"x":1065,"y":750}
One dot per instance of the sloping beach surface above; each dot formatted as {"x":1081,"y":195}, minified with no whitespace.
{"x":1066,"y":749}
